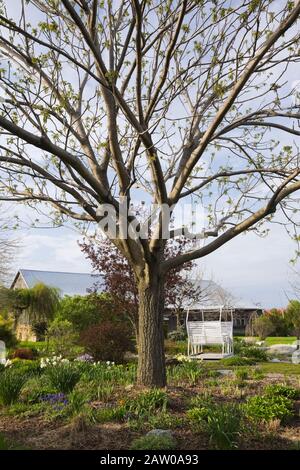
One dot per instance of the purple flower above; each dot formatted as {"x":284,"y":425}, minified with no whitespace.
{"x":57,"y":400}
{"x":84,"y":358}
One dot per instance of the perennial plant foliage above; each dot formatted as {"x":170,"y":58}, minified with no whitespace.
{"x":223,"y":411}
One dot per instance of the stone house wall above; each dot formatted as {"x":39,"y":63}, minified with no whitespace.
{"x":24,"y":330}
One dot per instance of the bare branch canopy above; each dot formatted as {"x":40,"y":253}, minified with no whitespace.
{"x":167,"y":102}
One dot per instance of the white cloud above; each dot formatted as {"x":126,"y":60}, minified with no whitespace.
{"x":55,"y":249}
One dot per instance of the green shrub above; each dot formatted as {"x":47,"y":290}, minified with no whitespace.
{"x":26,"y":366}
{"x":154,"y":442}
{"x":243,"y":349}
{"x":238,"y":344}
{"x":11,"y":383}
{"x":6,"y":332}
{"x":221,"y":422}
{"x":268,"y":408}
{"x":282,"y":390}
{"x":144,"y":406}
{"x":82,"y":311}
{"x":62,"y":338}
{"x":292,"y":316}
{"x":259,"y":355}
{"x":279,"y":321}
{"x":63,"y":377}
{"x":263,"y":326}
{"x":87,"y":310}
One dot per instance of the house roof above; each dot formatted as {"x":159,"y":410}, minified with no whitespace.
{"x":68,"y":283}
{"x":213,"y":296}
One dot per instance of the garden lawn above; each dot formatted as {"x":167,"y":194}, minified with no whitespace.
{"x":267,"y":367}
{"x":271,"y":340}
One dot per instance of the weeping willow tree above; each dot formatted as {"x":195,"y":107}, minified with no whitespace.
{"x":39,"y":302}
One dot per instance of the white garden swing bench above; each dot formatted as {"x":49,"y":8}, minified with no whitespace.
{"x":210,"y":332}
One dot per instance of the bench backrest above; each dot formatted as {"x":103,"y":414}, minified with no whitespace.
{"x":209,"y":332}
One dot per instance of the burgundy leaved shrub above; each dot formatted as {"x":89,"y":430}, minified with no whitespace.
{"x":108,"y":341}
{"x":24,"y":353}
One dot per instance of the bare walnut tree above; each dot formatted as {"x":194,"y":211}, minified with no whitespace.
{"x":163,"y":101}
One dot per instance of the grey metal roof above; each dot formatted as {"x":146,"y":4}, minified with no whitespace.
{"x":213,"y":296}
{"x":67,"y":283}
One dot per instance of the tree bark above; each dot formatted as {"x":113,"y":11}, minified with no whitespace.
{"x":151,"y":362}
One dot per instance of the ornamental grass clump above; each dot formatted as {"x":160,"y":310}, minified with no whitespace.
{"x":63,"y":377}
{"x":110,"y":373}
{"x":188,"y":371}
{"x":222,"y":422}
{"x":146,"y":404}
{"x":11,"y":383}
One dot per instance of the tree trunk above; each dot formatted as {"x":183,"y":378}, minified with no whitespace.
{"x":151,"y":362}
{"x":16,"y":317}
{"x":178,"y":324}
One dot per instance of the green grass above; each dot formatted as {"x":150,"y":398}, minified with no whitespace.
{"x":274,"y":339}
{"x":280,"y":340}
{"x":265,"y":367}
{"x":277,"y":368}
